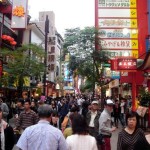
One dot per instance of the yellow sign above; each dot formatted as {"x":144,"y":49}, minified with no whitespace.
{"x":134,"y":44}
{"x":133,"y":23}
{"x":133,"y":3}
{"x":134,"y":33}
{"x":135,"y":54}
{"x":133,"y":13}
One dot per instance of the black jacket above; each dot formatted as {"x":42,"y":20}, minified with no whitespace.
{"x":9,"y":138}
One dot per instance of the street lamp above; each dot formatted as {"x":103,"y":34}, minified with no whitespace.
{"x":45,"y":60}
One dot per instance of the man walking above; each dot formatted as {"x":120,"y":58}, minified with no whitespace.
{"x":92,"y":118}
{"x":105,"y":128}
{"x":42,"y":136}
{"x":26,"y":118}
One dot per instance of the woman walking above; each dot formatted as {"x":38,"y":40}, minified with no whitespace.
{"x":132,"y":137}
{"x":80,"y":140}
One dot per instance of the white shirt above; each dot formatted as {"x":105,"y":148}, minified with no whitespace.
{"x":122,"y":107}
{"x":42,"y":136}
{"x":81,"y":142}
{"x":93,"y":115}
{"x":80,"y":101}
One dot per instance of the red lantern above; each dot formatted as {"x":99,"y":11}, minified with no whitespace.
{"x":13,"y":43}
{"x":4,"y":37}
{"x":11,"y":39}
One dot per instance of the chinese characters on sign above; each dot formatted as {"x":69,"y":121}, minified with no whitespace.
{"x":19,"y":14}
{"x":119,"y":44}
{"x":117,"y":22}
{"x":127,"y":64}
{"x":116,"y":3}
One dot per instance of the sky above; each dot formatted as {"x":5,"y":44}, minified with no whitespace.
{"x":68,"y":13}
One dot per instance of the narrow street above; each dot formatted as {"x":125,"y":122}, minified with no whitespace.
{"x":113,"y":139}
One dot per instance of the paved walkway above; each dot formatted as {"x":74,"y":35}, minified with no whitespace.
{"x":114,"y":138}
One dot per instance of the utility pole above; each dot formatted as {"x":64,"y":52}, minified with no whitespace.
{"x":45,"y":60}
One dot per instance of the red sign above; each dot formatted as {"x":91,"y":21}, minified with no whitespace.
{"x":127,"y":64}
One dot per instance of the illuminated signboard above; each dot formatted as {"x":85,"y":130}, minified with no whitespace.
{"x":19,"y":14}
{"x":119,"y":53}
{"x":118,"y":33}
{"x":113,"y":3}
{"x":127,"y":64}
{"x":119,"y":44}
{"x":124,"y":13}
{"x":118,"y":23}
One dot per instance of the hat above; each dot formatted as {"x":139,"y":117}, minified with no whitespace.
{"x":109,"y":102}
{"x":94,"y":102}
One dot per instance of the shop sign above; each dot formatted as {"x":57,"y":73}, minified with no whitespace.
{"x":117,"y":23}
{"x":118,"y":33}
{"x":1,"y":68}
{"x":122,"y":3}
{"x":19,"y":14}
{"x":124,"y":13}
{"x":107,"y":72}
{"x":115,"y":74}
{"x":119,"y":44}
{"x":127,"y":64}
{"x":119,"y":53}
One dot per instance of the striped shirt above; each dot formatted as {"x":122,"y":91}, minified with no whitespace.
{"x":26,"y":119}
{"x":134,"y":141}
{"x":42,"y":136}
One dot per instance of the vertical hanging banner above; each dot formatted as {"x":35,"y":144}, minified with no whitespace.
{"x":19,"y":14}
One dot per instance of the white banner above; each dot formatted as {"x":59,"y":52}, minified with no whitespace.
{"x":120,"y":53}
{"x":117,"y":23}
{"x":118,"y":33}
{"x":119,"y":44}
{"x":116,"y":3}
{"x":123,"y":13}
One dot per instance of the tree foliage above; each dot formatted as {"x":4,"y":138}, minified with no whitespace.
{"x":86,"y":56}
{"x":22,"y":63}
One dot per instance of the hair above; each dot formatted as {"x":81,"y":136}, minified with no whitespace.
{"x":21,"y":100}
{"x":27,"y":101}
{"x":44,"y":111}
{"x":132,"y":114}
{"x":79,"y":125}
{"x":74,"y":109}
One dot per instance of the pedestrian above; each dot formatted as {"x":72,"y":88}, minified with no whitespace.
{"x":6,"y":134}
{"x":4,"y":108}
{"x":80,"y":139}
{"x":122,"y":114}
{"x":62,"y":111}
{"x":42,"y":136}
{"x":92,"y":118}
{"x":132,"y":137}
{"x":116,"y":113}
{"x":26,"y":118}
{"x":19,"y":108}
{"x":105,"y":125}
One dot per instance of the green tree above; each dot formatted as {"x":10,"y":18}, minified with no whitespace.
{"x":22,"y":63}
{"x":86,"y":55}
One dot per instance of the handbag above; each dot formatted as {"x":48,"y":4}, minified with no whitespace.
{"x":100,"y":139}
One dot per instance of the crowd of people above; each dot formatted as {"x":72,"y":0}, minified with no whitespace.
{"x":70,"y":123}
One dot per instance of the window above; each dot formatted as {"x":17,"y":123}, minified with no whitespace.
{"x":53,"y":49}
